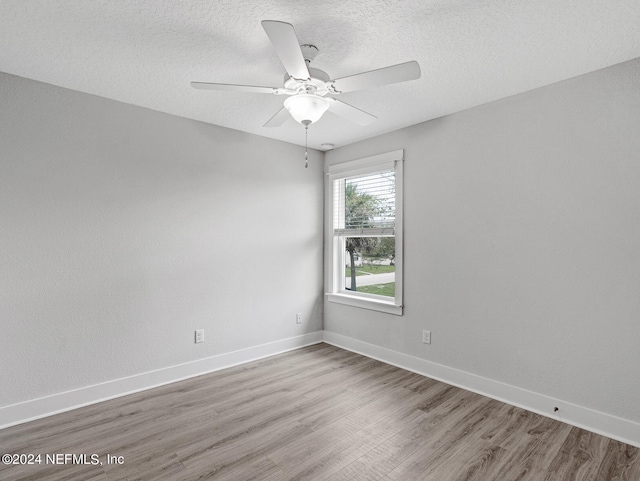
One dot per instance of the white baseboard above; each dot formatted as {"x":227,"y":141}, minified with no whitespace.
{"x":46,"y":406}
{"x":598,"y":422}
{"x":611,"y":426}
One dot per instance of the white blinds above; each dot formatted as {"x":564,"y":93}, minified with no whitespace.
{"x":365,"y":204}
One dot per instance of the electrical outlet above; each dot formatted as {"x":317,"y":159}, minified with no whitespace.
{"x":199,"y":335}
{"x":299,"y":318}
{"x":426,"y":337}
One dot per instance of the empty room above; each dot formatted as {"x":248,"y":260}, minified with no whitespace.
{"x":281,"y":240}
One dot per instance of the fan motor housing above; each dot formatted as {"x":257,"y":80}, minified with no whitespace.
{"x":317,"y":82}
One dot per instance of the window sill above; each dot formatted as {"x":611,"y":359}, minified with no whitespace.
{"x":364,"y":303}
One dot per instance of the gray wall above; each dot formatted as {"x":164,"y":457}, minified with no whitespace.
{"x":522,"y":242}
{"x":122,"y":230}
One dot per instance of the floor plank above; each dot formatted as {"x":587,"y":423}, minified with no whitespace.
{"x":317,"y":413}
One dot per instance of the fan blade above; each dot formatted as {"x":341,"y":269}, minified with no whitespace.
{"x":350,"y":113}
{"x":278,"y":119}
{"x":284,"y":40}
{"x":237,"y":88}
{"x":383,"y":76}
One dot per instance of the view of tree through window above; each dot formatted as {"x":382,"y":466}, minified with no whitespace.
{"x":370,"y":212}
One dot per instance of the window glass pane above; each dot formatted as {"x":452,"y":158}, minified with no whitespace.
{"x":370,"y":265}
{"x":368,"y":201}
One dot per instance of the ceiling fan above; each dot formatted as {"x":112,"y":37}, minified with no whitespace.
{"x":308,"y":88}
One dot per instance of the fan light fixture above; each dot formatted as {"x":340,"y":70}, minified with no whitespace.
{"x":306,"y":108}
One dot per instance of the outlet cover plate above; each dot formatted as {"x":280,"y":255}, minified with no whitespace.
{"x":426,"y":337}
{"x":199,"y":336}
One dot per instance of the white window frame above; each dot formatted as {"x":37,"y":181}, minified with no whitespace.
{"x":336,"y":252}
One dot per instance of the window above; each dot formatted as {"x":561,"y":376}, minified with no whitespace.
{"x":365,"y":238}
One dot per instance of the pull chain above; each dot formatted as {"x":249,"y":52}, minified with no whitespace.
{"x":306,"y":154}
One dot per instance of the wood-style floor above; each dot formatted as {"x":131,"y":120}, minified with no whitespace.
{"x":318,"y":413}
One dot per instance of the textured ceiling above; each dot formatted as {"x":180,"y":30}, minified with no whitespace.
{"x":471,"y":52}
